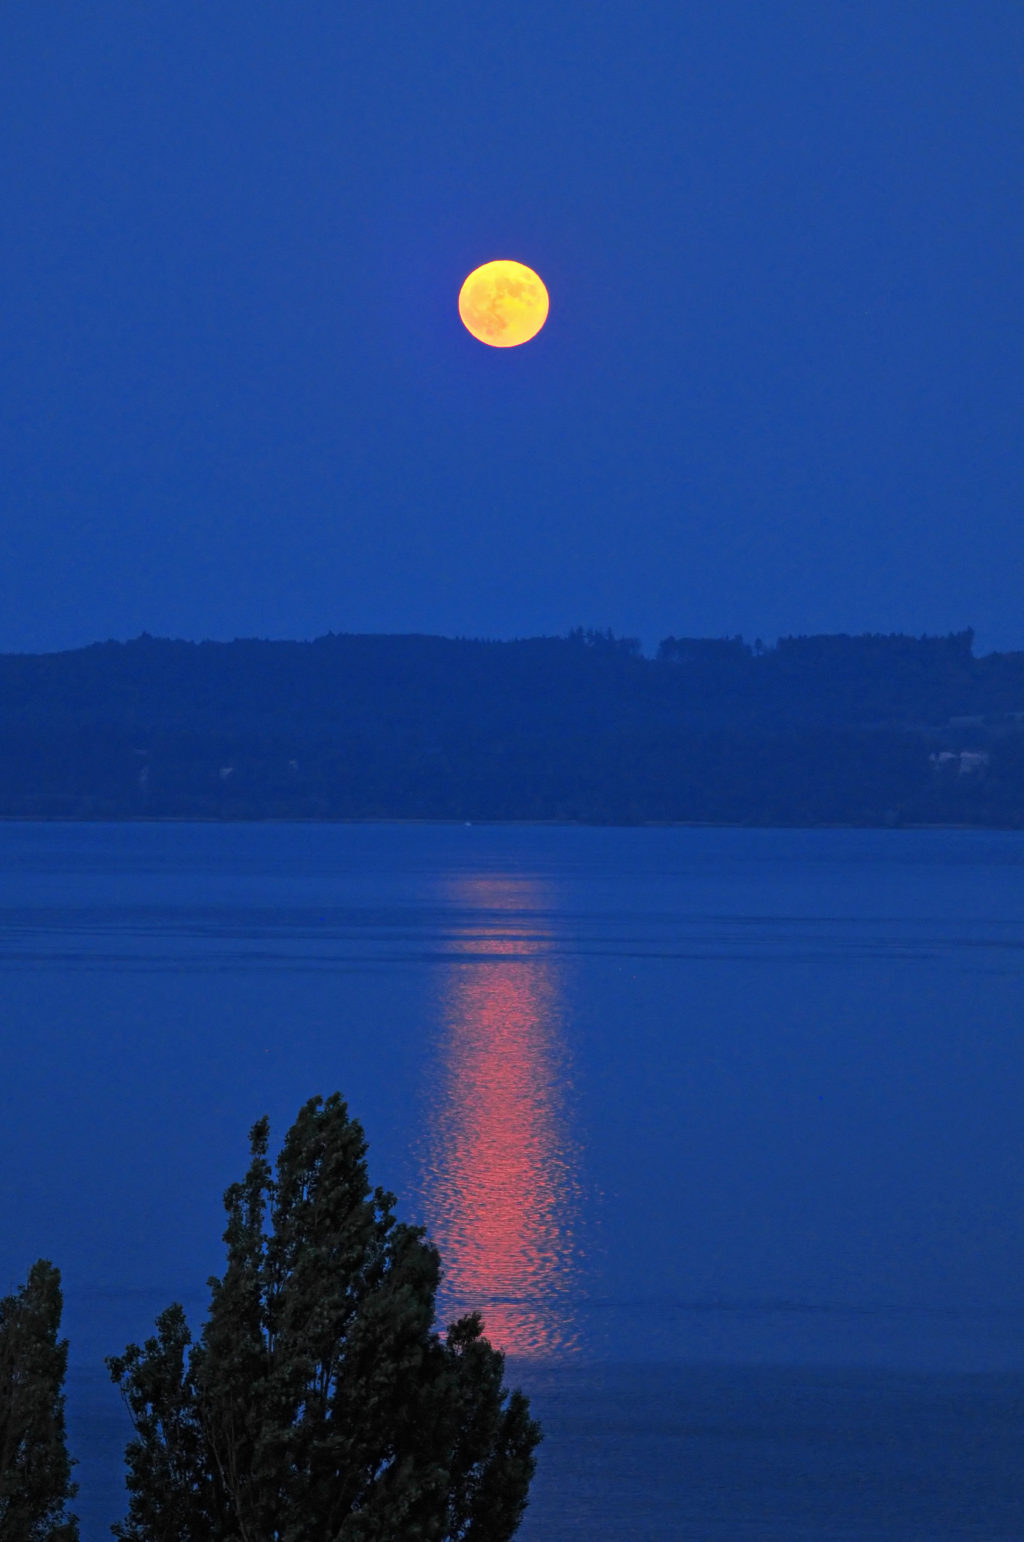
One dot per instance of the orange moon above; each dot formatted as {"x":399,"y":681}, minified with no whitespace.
{"x":503,"y":303}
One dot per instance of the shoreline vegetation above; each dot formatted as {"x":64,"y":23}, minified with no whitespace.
{"x":870,"y":731}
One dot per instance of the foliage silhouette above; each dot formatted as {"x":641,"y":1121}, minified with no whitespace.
{"x":35,"y":1469}
{"x":319,"y":1404}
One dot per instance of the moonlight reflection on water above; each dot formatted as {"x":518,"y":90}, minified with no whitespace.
{"x":501,"y":1181}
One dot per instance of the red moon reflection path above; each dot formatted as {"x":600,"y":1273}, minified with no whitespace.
{"x":501,"y":1191}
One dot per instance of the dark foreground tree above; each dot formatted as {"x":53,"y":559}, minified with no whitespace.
{"x":319,"y":1404}
{"x":35,"y":1469}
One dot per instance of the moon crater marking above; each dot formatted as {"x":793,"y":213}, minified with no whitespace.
{"x":503,"y":303}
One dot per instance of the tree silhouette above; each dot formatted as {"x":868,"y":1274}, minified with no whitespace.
{"x":35,"y":1469}
{"x":319,"y":1403}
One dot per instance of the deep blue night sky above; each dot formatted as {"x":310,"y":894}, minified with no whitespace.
{"x":780,"y":389}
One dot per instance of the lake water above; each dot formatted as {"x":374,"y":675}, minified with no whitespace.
{"x":721,"y":1130}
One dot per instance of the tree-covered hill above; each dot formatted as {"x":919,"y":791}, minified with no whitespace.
{"x":862,"y":730}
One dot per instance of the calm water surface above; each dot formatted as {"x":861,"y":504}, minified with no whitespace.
{"x":719,"y":1129}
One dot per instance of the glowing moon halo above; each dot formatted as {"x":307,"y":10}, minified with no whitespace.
{"x":503,"y":303}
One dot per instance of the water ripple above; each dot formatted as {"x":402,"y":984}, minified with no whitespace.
{"x":502,"y":1191}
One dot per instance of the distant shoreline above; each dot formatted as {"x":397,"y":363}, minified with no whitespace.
{"x":829,"y":732}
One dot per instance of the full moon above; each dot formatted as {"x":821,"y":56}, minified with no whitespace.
{"x":503,"y":304}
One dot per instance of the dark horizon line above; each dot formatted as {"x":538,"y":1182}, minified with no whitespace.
{"x":587,"y":636}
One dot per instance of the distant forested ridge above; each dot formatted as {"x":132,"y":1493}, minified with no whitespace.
{"x":871,"y":730}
